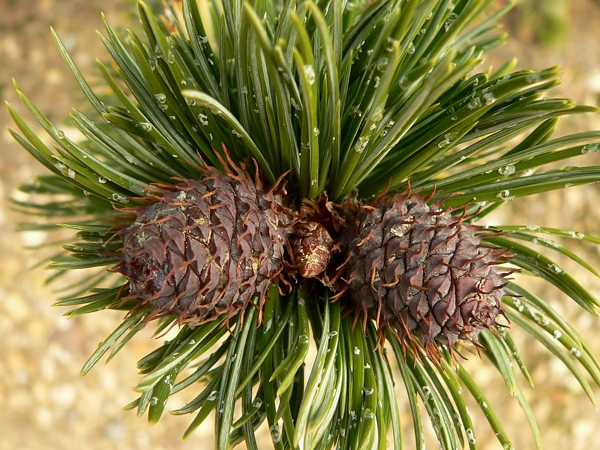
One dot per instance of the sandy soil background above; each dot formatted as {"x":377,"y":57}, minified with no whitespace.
{"x":43,"y":401}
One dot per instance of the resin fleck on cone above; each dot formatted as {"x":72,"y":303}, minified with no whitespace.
{"x":205,"y":247}
{"x":421,"y":272}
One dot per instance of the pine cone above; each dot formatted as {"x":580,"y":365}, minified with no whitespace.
{"x":421,"y":272}
{"x":311,"y":247}
{"x":206,"y":247}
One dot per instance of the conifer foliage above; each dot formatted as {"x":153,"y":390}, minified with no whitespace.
{"x":269,"y":175}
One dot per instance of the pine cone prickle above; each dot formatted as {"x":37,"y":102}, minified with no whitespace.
{"x":205,"y":247}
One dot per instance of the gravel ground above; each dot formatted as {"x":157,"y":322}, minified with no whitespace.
{"x":43,"y":401}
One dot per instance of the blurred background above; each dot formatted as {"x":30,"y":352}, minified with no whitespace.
{"x":44,"y":403}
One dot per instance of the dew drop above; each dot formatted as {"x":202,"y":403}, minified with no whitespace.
{"x":361,"y":144}
{"x":275,"y":434}
{"x":557,"y":334}
{"x":377,"y":114}
{"x":540,"y":319}
{"x":71,"y":173}
{"x":190,"y":101}
{"x":555,"y":268}
{"x":489,"y":98}
{"x":504,"y":194}
{"x":411,"y":49}
{"x":520,"y":307}
{"x":119,"y":198}
{"x":146,"y":126}
{"x":202,"y":40}
{"x":212,"y":396}
{"x":309,"y":71}
{"x":316,"y":131}
{"x":576,"y":234}
{"x":203,"y":119}
{"x":160,"y":98}
{"x":447,"y":140}
{"x":356,"y":351}
{"x":576,"y":352}
{"x":368,"y":414}
{"x":101,"y":180}
{"x":590,"y":148}
{"x":303,"y":339}
{"x":257,"y":403}
{"x":470,"y":436}
{"x":60,"y":134}
{"x":451,"y":19}
{"x":532,"y":78}
{"x":268,"y":325}
{"x":474,"y":103}
{"x":507,"y":170}
{"x":382,"y":63}
{"x":294,"y":104}
{"x":527,"y":173}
